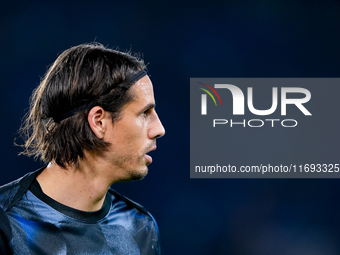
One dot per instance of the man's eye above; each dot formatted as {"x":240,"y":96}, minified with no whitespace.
{"x":144,"y":114}
{"x":147,"y":112}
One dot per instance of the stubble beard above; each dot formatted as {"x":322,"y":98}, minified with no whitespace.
{"x":133,"y":174}
{"x":135,"y":166}
{"x":137,"y":175}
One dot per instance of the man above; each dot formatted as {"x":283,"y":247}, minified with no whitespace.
{"x":93,"y":119}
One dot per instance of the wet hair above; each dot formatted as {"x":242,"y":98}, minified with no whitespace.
{"x":83,"y":76}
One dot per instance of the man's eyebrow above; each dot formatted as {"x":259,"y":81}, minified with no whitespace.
{"x":148,"y":106}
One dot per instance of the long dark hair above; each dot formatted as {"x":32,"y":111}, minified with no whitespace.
{"x":80,"y":75}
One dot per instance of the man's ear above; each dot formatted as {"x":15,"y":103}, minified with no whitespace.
{"x":96,"y":119}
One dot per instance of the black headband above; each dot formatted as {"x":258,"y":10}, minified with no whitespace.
{"x":72,"y":112}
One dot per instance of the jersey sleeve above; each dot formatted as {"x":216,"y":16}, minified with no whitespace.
{"x":5,"y":233}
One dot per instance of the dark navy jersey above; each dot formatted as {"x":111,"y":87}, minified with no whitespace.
{"x":33,"y":223}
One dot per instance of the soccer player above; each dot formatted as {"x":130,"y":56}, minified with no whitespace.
{"x":93,"y":119}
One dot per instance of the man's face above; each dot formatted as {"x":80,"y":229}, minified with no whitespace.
{"x":134,"y":133}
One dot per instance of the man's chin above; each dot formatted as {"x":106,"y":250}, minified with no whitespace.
{"x":137,"y":175}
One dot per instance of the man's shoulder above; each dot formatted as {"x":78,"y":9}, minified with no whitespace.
{"x":142,"y":223}
{"x":136,"y":206}
{"x":13,"y":191}
{"x":8,"y":191}
{"x":128,"y":201}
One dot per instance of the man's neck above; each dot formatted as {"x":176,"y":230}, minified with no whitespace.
{"x":82,"y":188}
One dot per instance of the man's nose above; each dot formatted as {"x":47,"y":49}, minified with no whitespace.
{"x":157,"y":129}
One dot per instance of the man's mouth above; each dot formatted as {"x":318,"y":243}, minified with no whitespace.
{"x":148,"y":157}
